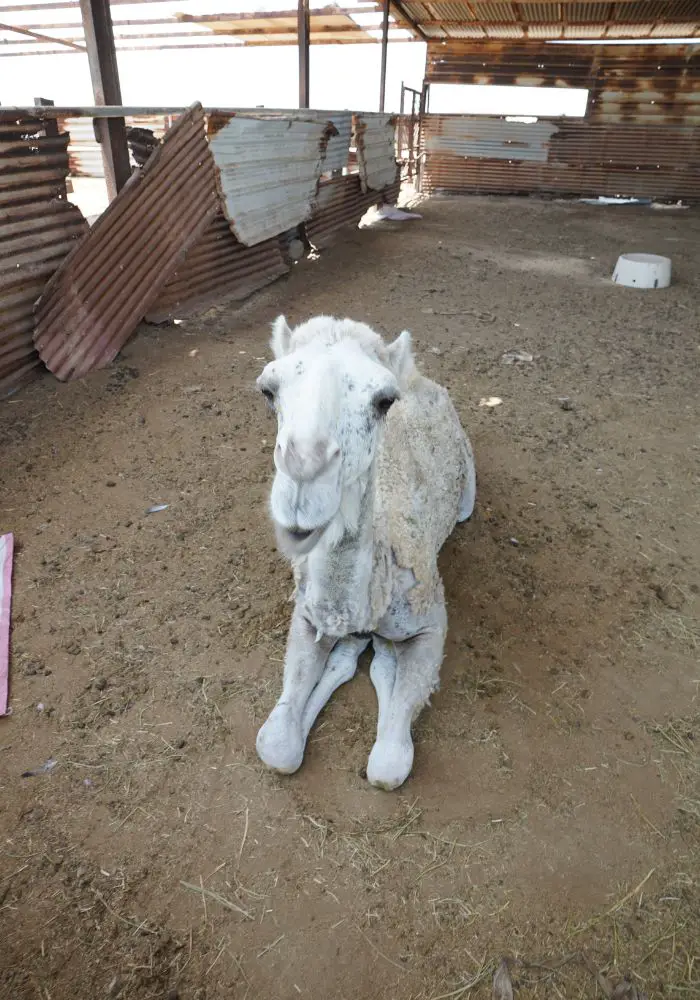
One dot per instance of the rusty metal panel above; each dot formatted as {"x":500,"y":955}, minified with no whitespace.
{"x":38,"y":228}
{"x":338,"y":146}
{"x":375,"y":140}
{"x":102,"y":290}
{"x":508,"y":63}
{"x":218,"y":269}
{"x":491,"y":138}
{"x":342,"y":202}
{"x":267,"y":171}
{"x":515,"y":19}
{"x":583,"y":158}
{"x":655,"y":83}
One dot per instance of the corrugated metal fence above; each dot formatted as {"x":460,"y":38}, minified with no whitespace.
{"x":463,"y":154}
{"x":38,"y":227}
{"x":209,"y":217}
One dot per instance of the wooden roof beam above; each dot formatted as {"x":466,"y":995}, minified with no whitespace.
{"x":399,"y":11}
{"x":41,"y":38}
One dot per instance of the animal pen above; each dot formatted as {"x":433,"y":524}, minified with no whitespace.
{"x":269,"y":180}
{"x":547,"y":843}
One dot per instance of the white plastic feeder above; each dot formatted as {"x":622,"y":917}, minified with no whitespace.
{"x":642,"y":270}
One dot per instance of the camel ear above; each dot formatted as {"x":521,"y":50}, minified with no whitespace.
{"x":400,"y":357}
{"x":281,"y":337}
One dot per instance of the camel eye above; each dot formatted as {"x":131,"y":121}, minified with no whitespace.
{"x":383,"y":403}
{"x":269,"y":397}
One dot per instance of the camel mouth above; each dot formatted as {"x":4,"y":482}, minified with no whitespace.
{"x":298,"y":534}
{"x":298,"y":541}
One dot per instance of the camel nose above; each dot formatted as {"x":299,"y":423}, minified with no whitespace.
{"x":305,"y":461}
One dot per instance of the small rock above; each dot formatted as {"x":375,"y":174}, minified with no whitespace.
{"x":670,"y":596}
{"x":516,"y":357}
{"x":110,"y":482}
{"x":99,"y":684}
{"x":565,"y":403}
{"x":514,"y":541}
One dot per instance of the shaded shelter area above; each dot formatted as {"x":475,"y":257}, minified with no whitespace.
{"x":557,"y":770}
{"x":553,"y":815}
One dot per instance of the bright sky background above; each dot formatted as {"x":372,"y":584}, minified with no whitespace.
{"x":342,"y":76}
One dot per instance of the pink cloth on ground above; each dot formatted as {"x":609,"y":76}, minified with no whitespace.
{"x":6,"y":548}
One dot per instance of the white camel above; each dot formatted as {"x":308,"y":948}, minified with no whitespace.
{"x":373,"y":471}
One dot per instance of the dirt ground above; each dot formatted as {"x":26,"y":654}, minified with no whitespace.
{"x":553,"y":815}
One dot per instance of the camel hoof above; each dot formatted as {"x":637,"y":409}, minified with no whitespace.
{"x":280,"y":744}
{"x":389,"y":764}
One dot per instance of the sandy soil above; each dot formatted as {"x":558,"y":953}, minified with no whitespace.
{"x":554,"y":810}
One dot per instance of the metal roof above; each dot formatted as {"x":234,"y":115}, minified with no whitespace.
{"x":55,"y":26}
{"x":566,"y":19}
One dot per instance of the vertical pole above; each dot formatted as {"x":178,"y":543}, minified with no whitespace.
{"x":424,"y":99}
{"x":102,"y":56}
{"x":303,"y":33}
{"x":385,"y":45}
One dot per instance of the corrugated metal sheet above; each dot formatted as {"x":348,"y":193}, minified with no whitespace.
{"x":584,"y":158}
{"x":267,"y":171}
{"x":511,"y":18}
{"x":374,"y":137}
{"x":491,"y":139}
{"x":338,"y":146}
{"x":653,"y":83}
{"x":84,"y":152}
{"x":38,"y":227}
{"x":95,"y":300}
{"x":496,"y":12}
{"x":218,"y":269}
{"x":341,"y":202}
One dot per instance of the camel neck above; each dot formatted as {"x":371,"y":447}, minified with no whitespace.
{"x":338,"y":582}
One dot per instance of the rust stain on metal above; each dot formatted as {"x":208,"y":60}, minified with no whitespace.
{"x":341,"y":202}
{"x":38,"y":228}
{"x":268,"y":171}
{"x":103,"y":289}
{"x":584,"y":158}
{"x":572,"y":19}
{"x":374,"y":137}
{"x":218,"y":269}
{"x":657,"y":83}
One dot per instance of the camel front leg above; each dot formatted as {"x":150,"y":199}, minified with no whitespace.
{"x":404,"y":675}
{"x":341,"y":668}
{"x":282,"y":738}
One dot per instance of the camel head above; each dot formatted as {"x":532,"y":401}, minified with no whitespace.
{"x":331,"y":386}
